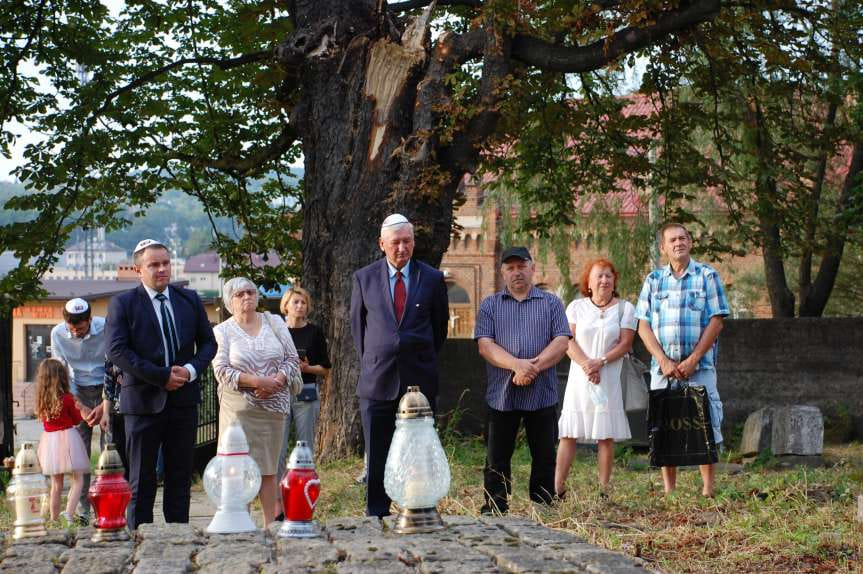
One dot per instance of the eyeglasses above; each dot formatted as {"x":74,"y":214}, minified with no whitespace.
{"x":243,"y":293}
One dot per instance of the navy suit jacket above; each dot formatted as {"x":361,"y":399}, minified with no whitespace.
{"x":394,"y":355}
{"x":135,"y":345}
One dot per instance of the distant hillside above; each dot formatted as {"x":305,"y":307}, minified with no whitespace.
{"x":8,"y":190}
{"x":176,"y":217}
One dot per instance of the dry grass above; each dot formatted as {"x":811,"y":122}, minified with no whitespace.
{"x":762,"y":520}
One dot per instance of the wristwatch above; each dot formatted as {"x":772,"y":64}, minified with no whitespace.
{"x":604,"y":360}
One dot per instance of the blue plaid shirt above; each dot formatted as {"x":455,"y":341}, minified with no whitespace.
{"x":524,"y":329}
{"x":679,"y":309}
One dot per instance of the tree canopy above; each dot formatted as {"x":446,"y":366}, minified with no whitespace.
{"x":204,"y":97}
{"x":389,"y":105}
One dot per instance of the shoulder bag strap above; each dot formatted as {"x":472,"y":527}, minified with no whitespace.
{"x":620,"y":304}
{"x":296,"y":385}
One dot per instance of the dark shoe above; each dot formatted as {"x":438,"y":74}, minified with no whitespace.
{"x":82,"y":520}
{"x":489,"y":510}
{"x":560,"y":496}
{"x":280,"y":517}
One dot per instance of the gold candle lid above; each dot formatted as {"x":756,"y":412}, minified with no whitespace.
{"x":414,"y":405}
{"x":27,"y":461}
{"x":109,"y":461}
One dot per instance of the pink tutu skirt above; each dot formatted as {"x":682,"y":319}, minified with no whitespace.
{"x":62,"y":451}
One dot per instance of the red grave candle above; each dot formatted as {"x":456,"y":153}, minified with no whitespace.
{"x":110,"y":495}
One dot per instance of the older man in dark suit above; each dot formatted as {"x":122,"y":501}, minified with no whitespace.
{"x":161,"y":339}
{"x":399,"y":313}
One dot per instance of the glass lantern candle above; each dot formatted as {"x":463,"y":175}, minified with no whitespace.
{"x":301,"y":488}
{"x":232,"y":480}
{"x":28,"y":491}
{"x":110,"y":495}
{"x":417,"y":473}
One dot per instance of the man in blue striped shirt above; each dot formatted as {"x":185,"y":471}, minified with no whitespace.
{"x":681,"y":311}
{"x":522,"y":334}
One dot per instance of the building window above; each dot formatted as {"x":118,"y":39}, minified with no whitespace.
{"x":456,"y":294}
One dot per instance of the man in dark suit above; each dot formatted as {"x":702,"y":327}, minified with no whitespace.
{"x":161,"y":339}
{"x":399,"y":314}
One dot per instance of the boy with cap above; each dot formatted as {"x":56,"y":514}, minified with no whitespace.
{"x":522,"y":334}
{"x":79,"y":341}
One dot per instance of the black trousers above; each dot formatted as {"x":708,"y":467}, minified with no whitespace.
{"x":117,"y":427}
{"x":379,"y":424}
{"x":174,"y":430}
{"x":501,"y":430}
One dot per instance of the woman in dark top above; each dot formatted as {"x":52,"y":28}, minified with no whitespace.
{"x":314,"y":364}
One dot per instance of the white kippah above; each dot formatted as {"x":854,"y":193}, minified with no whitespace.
{"x":76,"y":306}
{"x":394,"y":219}
{"x":145,"y":243}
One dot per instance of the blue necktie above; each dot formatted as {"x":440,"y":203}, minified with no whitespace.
{"x":168,"y":329}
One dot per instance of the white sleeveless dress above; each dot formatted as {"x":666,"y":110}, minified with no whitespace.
{"x":596,"y":332}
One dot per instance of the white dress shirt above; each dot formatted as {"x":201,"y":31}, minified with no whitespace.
{"x":157,"y":305}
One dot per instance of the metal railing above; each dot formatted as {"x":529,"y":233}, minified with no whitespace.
{"x":208,"y":421}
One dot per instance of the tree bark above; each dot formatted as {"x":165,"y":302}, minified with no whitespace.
{"x":815,"y":302}
{"x":813,"y":203}
{"x":781,"y":297}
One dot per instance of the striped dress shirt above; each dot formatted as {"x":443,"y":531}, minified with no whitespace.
{"x":524,"y":329}
{"x":679,"y":309}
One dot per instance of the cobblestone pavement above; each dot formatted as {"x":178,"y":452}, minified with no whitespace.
{"x":349,"y":545}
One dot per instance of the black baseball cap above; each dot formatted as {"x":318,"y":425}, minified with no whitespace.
{"x":520,"y":252}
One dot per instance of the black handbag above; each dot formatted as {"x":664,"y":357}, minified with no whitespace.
{"x":679,"y":427}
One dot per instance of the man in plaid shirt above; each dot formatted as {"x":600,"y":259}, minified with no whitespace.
{"x":681,"y":310}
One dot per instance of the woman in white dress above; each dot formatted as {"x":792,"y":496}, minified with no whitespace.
{"x":593,"y":402}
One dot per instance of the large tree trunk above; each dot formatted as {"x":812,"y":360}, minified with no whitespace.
{"x":356,"y":113}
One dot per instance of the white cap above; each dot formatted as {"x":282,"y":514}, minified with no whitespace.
{"x":76,"y":306}
{"x":145,"y":243}
{"x":394,"y":219}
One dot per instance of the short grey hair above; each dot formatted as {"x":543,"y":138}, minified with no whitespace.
{"x":234,"y":285}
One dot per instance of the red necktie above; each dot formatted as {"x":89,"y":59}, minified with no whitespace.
{"x":399,"y":296}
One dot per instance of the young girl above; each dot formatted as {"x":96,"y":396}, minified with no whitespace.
{"x":61,"y":449}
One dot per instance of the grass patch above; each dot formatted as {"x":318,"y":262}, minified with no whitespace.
{"x":762,"y":519}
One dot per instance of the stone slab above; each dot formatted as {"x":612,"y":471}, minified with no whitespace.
{"x":525,"y":560}
{"x":96,"y":561}
{"x":757,"y":432}
{"x":349,"y":545}
{"x":798,"y":430}
{"x":785,"y":430}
